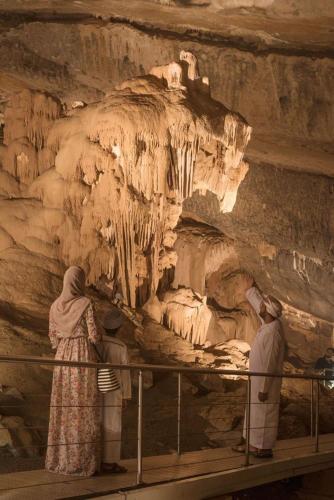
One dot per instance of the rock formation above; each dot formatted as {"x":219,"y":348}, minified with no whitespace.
{"x":109,"y":180}
{"x":116,"y":154}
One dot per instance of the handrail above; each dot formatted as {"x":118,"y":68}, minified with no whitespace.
{"x":165,"y":368}
{"x":180,"y":370}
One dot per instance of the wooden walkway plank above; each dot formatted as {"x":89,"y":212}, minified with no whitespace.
{"x":219,"y":469}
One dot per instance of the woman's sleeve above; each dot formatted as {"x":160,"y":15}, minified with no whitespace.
{"x":53,"y":333}
{"x":94,"y":331}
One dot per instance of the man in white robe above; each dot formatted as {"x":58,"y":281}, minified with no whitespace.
{"x":113,"y":350}
{"x":267,"y":355}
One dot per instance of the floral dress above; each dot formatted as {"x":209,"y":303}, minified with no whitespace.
{"x":74,"y":427}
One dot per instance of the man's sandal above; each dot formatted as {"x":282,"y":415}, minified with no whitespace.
{"x":114,"y":468}
{"x":261,"y":454}
{"x":254,"y":453}
{"x":239,"y":448}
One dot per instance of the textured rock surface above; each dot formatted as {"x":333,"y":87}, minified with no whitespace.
{"x":284,"y":8}
{"x":270,"y":90}
{"x":104,"y":185}
{"x":101,"y":177}
{"x":212,"y":264}
{"x":291,"y":248}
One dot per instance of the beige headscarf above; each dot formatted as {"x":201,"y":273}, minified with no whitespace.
{"x":68,"y":309}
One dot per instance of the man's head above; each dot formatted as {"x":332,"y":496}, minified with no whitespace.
{"x":329,"y":354}
{"x":112,"y":321}
{"x":270,"y":308}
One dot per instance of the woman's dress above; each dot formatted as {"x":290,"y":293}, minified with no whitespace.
{"x":74,"y":427}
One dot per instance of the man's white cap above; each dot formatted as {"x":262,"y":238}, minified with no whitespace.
{"x":113,"y":319}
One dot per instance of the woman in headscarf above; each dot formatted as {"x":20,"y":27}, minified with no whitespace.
{"x":74,"y":427}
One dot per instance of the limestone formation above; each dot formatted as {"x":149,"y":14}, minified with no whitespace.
{"x":171,"y":73}
{"x":191,"y":60}
{"x":108,"y":181}
{"x":117,"y":155}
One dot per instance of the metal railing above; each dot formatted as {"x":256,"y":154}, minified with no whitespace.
{"x":314,"y":379}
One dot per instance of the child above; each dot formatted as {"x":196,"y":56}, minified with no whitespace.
{"x":113,"y":350}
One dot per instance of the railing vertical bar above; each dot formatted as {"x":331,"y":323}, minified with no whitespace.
{"x":179,"y":392}
{"x":317,"y":418}
{"x":140,"y":429}
{"x":312,"y":406}
{"x":248,"y":411}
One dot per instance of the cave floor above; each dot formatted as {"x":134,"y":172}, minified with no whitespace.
{"x":292,"y":457}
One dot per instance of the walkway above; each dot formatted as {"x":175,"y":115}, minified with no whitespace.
{"x":196,"y":475}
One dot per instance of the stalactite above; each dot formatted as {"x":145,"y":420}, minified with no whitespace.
{"x":28,"y":118}
{"x":101,"y":262}
{"x":187,"y":315}
{"x":201,"y":252}
{"x":121,"y":169}
{"x":300,"y":264}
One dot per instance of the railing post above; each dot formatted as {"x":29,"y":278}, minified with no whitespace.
{"x":248,"y":411}
{"x":312,"y":407}
{"x":140,"y":430}
{"x":317,"y":418}
{"x":179,"y":387}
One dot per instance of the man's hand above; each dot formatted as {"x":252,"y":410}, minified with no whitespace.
{"x":263,"y":396}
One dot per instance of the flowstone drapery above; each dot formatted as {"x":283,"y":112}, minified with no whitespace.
{"x":111,"y":177}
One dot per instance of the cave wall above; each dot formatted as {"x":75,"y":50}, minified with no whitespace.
{"x":283,"y":88}
{"x":284,"y":8}
{"x":66,"y":196}
{"x":213,"y":265}
{"x":286,"y":240}
{"x":280,"y":91}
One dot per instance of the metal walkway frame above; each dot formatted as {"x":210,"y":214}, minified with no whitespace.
{"x":205,"y":473}
{"x":197,"y":475}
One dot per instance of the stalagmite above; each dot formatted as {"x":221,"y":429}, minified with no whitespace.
{"x":171,"y":73}
{"x":191,"y":60}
